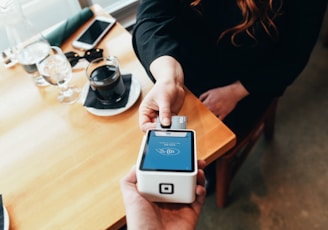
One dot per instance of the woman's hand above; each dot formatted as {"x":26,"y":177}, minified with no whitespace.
{"x":166,"y":96}
{"x":222,"y":100}
{"x":163,"y":100}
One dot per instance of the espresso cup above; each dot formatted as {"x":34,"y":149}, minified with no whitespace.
{"x":105,"y":79}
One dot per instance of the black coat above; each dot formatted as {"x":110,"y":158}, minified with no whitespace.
{"x":265,"y":67}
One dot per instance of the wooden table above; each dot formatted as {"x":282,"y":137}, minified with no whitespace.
{"x":60,"y":165}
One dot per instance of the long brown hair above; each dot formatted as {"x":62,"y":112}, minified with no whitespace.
{"x":252,"y":11}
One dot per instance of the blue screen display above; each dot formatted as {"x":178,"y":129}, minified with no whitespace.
{"x":169,"y":151}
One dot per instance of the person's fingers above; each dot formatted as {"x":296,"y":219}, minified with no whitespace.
{"x":201,"y":164}
{"x":200,"y":194}
{"x":165,"y":114}
{"x":200,"y":187}
{"x":146,"y":126}
{"x":147,"y":117}
{"x":131,"y":177}
{"x":201,"y":177}
{"x":220,"y":117}
{"x":203,"y":96}
{"x":200,"y":190}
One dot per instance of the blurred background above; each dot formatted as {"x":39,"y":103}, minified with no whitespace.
{"x":44,"y":14}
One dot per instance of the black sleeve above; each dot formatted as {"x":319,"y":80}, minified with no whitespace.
{"x":157,"y":25}
{"x":153,"y":34}
{"x":289,"y":58}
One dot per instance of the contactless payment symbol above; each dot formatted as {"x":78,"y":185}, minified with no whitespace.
{"x":168,"y":151}
{"x":166,"y":188}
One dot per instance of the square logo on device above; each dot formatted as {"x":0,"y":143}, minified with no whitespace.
{"x":165,"y":188}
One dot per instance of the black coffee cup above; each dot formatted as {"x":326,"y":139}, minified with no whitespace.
{"x":105,"y":79}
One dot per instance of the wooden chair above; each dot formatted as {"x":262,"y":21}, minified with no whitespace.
{"x":229,"y":163}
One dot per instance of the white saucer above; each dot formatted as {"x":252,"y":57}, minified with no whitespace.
{"x":134,"y":93}
{"x":5,"y":219}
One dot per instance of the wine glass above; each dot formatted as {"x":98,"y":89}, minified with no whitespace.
{"x":26,"y":42}
{"x":31,"y":53}
{"x":56,"y":70}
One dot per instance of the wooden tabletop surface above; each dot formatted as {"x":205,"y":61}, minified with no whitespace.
{"x":60,"y":165}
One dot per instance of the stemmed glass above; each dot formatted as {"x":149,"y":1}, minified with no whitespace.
{"x":26,"y":42}
{"x":56,"y":70}
{"x":29,"y":54}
